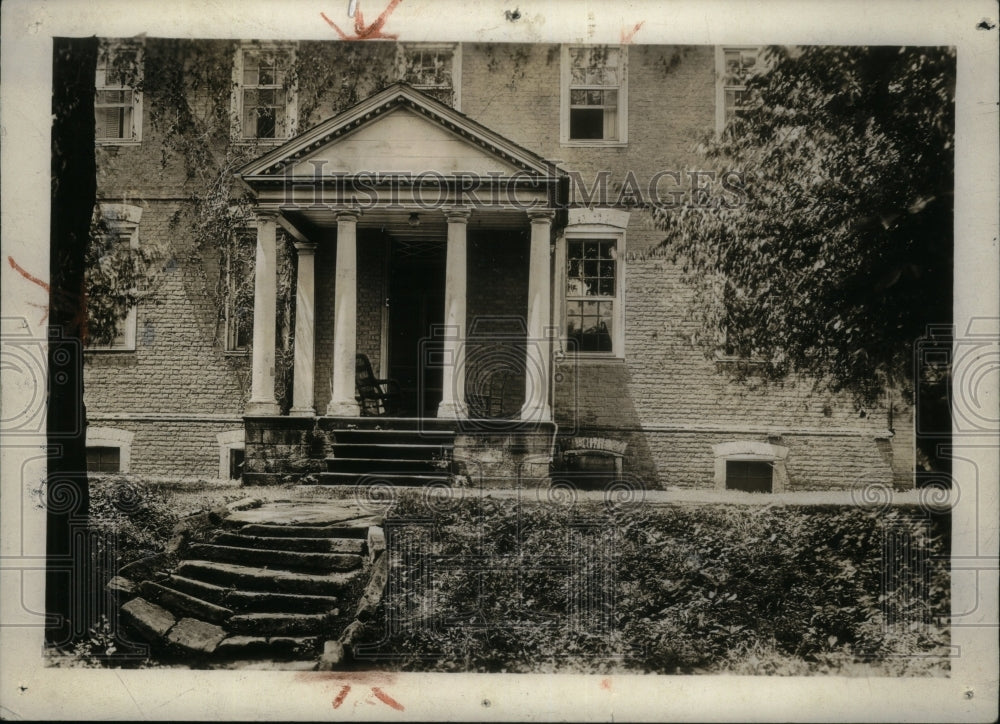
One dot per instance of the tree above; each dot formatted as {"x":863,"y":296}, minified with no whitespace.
{"x":74,"y":189}
{"x":837,"y":254}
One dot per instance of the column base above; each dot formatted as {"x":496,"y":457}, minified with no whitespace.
{"x":542,"y":413}
{"x":452,"y":411}
{"x":302,"y":412}
{"x":343,"y":408}
{"x":262,"y":407}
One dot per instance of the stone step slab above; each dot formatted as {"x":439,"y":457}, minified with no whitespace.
{"x":265,"y":602}
{"x":286,"y":560}
{"x":150,"y":621}
{"x":267,"y":647}
{"x":193,"y":636}
{"x":184,"y":603}
{"x":250,"y":578}
{"x":327,"y":513}
{"x":360,"y":530}
{"x":283,"y":624}
{"x":292,"y":543}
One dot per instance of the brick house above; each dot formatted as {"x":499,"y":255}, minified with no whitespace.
{"x":477,"y":225}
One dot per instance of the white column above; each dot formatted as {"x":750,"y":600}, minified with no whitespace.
{"x":453,"y":385}
{"x":538,"y":349}
{"x":265,"y":293}
{"x":345,"y":331}
{"x":303,"y":387}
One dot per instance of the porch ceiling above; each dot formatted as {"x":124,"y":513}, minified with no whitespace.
{"x":432,"y":226}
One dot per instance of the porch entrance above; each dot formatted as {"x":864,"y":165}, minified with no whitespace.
{"x":416,"y":305}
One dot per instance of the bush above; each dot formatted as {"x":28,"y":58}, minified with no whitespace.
{"x":498,"y":585}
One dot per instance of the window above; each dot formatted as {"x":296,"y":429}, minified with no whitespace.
{"x":117,"y":102}
{"x":111,"y":264}
{"x":434,"y":69}
{"x":240,"y":260}
{"x":592,"y":294}
{"x":751,"y":466}
{"x":594,"y":99}
{"x":103,"y":459}
{"x":751,"y":476}
{"x":265,"y":95}
{"x":733,"y":66}
{"x":231,"y":453}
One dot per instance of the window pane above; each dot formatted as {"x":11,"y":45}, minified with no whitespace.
{"x":110,"y":122}
{"x":103,"y":459}
{"x":578,"y":97}
{"x":610,"y":124}
{"x":752,"y":476}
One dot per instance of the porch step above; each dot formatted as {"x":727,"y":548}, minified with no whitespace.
{"x":247,"y":577}
{"x":391,"y":450}
{"x":260,"y":647}
{"x":402,"y":479}
{"x":309,"y":545}
{"x":270,"y":558}
{"x":395,"y":436}
{"x":378,"y":466}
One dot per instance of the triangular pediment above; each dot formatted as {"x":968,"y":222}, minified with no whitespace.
{"x":398,"y":130}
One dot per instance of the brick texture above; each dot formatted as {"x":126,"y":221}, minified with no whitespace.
{"x":665,"y":398}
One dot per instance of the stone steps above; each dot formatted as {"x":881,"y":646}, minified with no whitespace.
{"x":266,"y":585}
{"x":272,"y":558}
{"x":393,"y":479}
{"x":301,"y":543}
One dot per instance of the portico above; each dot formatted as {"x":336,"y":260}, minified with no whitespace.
{"x":403,"y":171}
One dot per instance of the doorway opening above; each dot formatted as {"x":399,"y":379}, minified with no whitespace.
{"x":416,"y":306}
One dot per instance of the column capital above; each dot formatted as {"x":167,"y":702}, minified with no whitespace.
{"x":305,"y":247}
{"x":265,"y":214}
{"x":457,"y":214}
{"x":347,"y":214}
{"x":541,"y":216}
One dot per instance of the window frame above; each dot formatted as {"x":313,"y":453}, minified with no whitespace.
{"x":752,"y":451}
{"x":98,"y":436}
{"x":248,"y":235}
{"x":291,"y":95}
{"x":123,"y":222}
{"x":403,"y":49}
{"x":107,"y":50}
{"x":593,"y":232}
{"x":721,"y":86}
{"x":565,"y":106}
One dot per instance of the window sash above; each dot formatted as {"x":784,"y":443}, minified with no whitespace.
{"x":265,"y":102}
{"x":591,"y":294}
{"x":594,"y":94}
{"x":116,"y":104}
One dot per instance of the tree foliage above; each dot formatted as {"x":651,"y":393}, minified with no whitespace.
{"x":839,"y":253}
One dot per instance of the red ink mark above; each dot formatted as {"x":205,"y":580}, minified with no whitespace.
{"x":27,"y":275}
{"x":627,"y":36}
{"x":386,"y":699}
{"x":344,"y":690}
{"x":606,"y":684}
{"x":370,"y":32}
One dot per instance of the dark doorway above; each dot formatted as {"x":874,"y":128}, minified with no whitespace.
{"x":416,"y":305}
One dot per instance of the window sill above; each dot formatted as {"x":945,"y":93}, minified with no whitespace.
{"x":591,"y":358}
{"x":105,"y":350}
{"x":237,"y":353}
{"x":261,"y":141}
{"x":118,"y":142}
{"x":593,"y":144}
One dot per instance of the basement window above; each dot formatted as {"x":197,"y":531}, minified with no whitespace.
{"x":103,"y":459}
{"x":750,"y":476}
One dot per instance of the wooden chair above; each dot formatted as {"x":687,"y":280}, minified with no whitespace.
{"x":491,"y":403}
{"x":375,"y":397}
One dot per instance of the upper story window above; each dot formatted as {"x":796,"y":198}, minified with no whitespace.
{"x":435,"y":69}
{"x":594,"y":95}
{"x":264,"y":101}
{"x":117,"y":100}
{"x":111,"y":279}
{"x":734,"y":65}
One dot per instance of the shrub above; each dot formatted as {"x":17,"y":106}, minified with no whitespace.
{"x":503,"y":585}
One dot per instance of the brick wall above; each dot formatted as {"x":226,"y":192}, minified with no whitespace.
{"x":669,"y":401}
